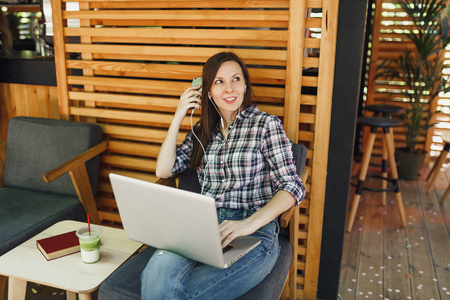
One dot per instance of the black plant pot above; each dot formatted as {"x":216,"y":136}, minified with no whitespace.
{"x":409,"y":164}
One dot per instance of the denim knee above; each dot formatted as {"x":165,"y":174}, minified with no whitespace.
{"x":165,"y":276}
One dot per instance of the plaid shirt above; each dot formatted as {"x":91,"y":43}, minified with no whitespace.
{"x":247,"y":169}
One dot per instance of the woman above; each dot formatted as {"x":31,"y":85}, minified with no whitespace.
{"x":243,"y":160}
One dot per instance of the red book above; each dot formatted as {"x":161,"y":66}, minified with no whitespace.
{"x":59,"y":245}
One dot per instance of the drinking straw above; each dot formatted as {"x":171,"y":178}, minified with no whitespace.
{"x":89,"y":224}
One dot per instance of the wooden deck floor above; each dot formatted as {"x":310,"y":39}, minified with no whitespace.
{"x":381,"y":260}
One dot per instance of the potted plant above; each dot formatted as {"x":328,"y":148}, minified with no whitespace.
{"x":419,"y":72}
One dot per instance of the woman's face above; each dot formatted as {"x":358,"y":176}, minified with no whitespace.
{"x":228,"y":89}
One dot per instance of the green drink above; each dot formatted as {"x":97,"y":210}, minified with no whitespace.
{"x":90,"y":243}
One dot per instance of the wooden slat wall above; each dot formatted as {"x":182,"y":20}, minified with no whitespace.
{"x":387,"y":43}
{"x":26,"y":100}
{"x":137,"y":57}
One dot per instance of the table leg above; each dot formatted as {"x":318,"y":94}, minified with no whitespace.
{"x":17,"y":289}
{"x":84,"y":296}
{"x":3,"y":283}
{"x":71,"y":295}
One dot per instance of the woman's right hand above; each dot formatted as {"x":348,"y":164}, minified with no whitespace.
{"x":190,"y":99}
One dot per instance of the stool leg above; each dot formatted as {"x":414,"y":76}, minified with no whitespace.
{"x":362,"y":177}
{"x":447,"y":191}
{"x":436,"y":168}
{"x":384,"y":173}
{"x":398,"y":195}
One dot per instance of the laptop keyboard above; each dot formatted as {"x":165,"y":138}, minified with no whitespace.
{"x":226,"y":248}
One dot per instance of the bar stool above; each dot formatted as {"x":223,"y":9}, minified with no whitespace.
{"x":385,"y":110}
{"x":438,"y":164}
{"x":385,"y":124}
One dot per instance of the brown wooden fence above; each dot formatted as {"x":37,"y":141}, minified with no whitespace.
{"x":127,"y":63}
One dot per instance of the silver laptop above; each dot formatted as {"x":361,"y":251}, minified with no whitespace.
{"x":176,"y":220}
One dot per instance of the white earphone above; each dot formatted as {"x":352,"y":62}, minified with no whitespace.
{"x":203,"y":148}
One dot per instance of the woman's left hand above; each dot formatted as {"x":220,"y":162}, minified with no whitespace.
{"x":229,"y":230}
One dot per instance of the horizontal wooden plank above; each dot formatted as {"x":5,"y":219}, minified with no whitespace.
{"x":161,"y":87}
{"x":301,"y":265}
{"x":301,"y":250}
{"x":303,"y":219}
{"x":313,"y":22}
{"x":312,"y":43}
{"x":109,"y":216}
{"x":137,"y":133}
{"x":138,"y":69}
{"x":262,"y":38}
{"x":312,"y":81}
{"x":205,"y":3}
{"x":220,"y":19}
{"x":209,"y":15}
{"x":305,"y":203}
{"x":310,"y":62}
{"x":175,"y":71}
{"x":104,"y":173}
{"x":308,"y":100}
{"x":305,"y":118}
{"x":231,"y":4}
{"x":106,"y":202}
{"x":306,"y":136}
{"x":144,"y":118}
{"x":194,"y":3}
{"x":133,"y":148}
{"x":177,"y":54}
{"x":271,"y":109}
{"x":189,"y":23}
{"x":155,"y":102}
{"x":128,"y":162}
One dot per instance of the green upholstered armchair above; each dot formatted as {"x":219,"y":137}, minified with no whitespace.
{"x":48,"y":173}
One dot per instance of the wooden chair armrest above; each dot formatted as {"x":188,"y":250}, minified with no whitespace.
{"x":287,"y":215}
{"x":171,"y":181}
{"x":74,"y":162}
{"x":80,"y":179}
{"x":3,"y":145}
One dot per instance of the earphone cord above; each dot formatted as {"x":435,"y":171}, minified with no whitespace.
{"x":204,"y":152}
{"x":203,"y":148}
{"x":192,"y":129}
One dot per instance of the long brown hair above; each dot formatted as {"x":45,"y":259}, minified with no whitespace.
{"x":5,"y":33}
{"x":209,"y":116}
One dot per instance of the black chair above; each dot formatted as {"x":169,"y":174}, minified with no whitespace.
{"x":125,"y":284}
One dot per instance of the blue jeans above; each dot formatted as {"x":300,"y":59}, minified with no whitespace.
{"x":171,"y":276}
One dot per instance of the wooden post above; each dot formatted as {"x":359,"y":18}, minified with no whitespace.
{"x":294,"y":67}
{"x":321,"y":141}
{"x":60,"y":57}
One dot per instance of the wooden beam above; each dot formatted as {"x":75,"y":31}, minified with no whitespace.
{"x":294,"y":67}
{"x":60,"y":57}
{"x":320,"y":159}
